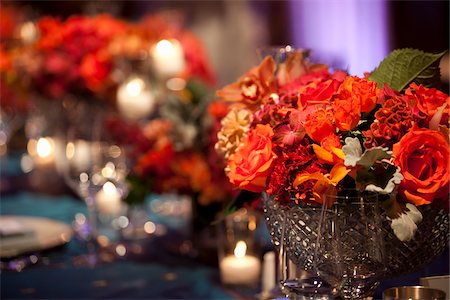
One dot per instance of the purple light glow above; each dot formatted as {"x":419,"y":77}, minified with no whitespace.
{"x":348,"y":34}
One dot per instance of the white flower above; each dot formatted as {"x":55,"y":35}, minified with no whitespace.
{"x":405,"y":226}
{"x":353,"y":151}
{"x":390,"y":186}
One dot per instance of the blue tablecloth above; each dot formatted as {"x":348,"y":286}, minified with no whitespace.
{"x":55,"y":276}
{"x":158,"y":276}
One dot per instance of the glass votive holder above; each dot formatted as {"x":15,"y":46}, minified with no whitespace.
{"x":239,"y":249}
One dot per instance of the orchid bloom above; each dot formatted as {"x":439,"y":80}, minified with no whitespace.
{"x":325,"y":184}
{"x":254,"y":86}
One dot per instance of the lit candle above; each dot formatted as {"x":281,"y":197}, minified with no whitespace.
{"x":240,"y":269}
{"x":108,"y":200}
{"x":29,"y":33}
{"x":135,"y":100}
{"x":42,"y":151}
{"x":168,"y":58}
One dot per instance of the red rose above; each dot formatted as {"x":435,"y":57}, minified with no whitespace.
{"x":317,"y":92}
{"x":423,"y":156}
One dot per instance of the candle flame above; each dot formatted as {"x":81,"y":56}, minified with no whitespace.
{"x":109,"y":188}
{"x":164,"y":47}
{"x":44,"y":147}
{"x":134,"y":87}
{"x":241,"y":249}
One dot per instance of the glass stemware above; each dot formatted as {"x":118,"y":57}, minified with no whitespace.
{"x":95,"y":167}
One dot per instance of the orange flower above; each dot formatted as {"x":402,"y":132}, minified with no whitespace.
{"x":364,"y":93}
{"x":426,"y":102}
{"x":218,"y":109}
{"x":325,"y":184}
{"x":423,"y":156}
{"x":254,"y":86}
{"x":317,"y":92}
{"x":50,"y":30}
{"x":5,"y":61}
{"x":330,"y":150}
{"x":195,"y":168}
{"x":319,"y":124}
{"x":94,"y":69}
{"x":347,"y":113}
{"x":250,"y":165}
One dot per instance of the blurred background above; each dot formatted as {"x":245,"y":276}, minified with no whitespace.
{"x":349,"y":34}
{"x":107,"y":118}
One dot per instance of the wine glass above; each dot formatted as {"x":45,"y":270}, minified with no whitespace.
{"x":95,"y":167}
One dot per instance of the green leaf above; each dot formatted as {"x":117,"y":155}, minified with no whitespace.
{"x":404,"y":66}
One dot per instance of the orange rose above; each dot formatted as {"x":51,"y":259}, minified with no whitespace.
{"x":364,"y":93}
{"x":319,"y":124}
{"x":250,"y":165}
{"x":423,"y":156}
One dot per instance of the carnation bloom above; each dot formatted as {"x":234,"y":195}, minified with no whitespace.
{"x":250,"y":165}
{"x":235,"y":126}
{"x":423,"y":156}
{"x":291,"y":162}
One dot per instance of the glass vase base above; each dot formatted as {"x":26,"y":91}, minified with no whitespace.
{"x":311,"y":288}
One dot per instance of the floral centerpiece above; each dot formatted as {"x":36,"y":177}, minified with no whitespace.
{"x":305,"y":136}
{"x":306,"y":131}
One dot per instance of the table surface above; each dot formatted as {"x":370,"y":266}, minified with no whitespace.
{"x":159,"y":274}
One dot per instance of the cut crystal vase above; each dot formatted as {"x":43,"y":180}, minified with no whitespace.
{"x":350,"y":245}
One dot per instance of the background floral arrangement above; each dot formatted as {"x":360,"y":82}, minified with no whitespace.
{"x":174,"y":150}
{"x":81,"y":55}
{"x":298,"y":130}
{"x":87,"y":58}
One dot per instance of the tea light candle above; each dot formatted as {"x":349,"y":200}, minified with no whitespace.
{"x":168,"y":58}
{"x":42,"y":151}
{"x":135,"y":100}
{"x":29,"y":32}
{"x":108,"y":200}
{"x":240,"y":269}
